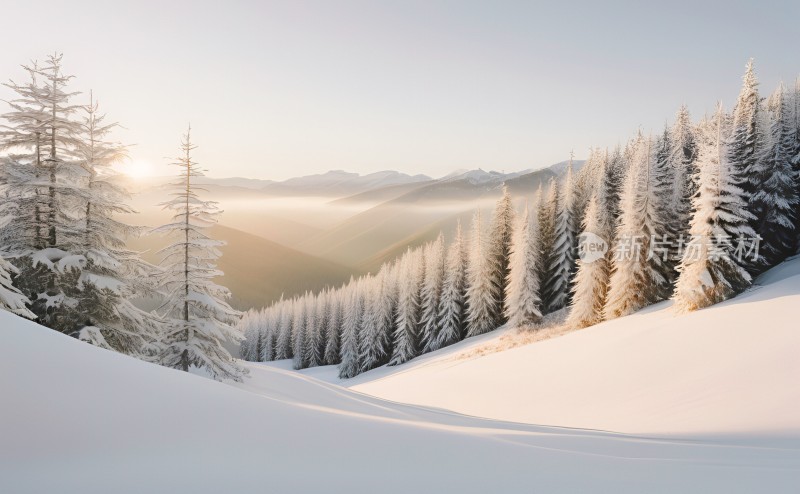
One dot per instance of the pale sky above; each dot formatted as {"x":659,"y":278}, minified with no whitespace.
{"x":279,"y":89}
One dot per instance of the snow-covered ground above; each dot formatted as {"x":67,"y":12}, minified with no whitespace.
{"x":732,"y":369}
{"x":716,"y":393}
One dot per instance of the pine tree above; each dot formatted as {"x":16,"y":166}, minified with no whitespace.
{"x":775,"y":201}
{"x":113,"y":274}
{"x":323,"y":319}
{"x":431,"y":293}
{"x":351,"y":320}
{"x":406,"y":338}
{"x":300,"y":333}
{"x":560,"y":261}
{"x":638,"y":273}
{"x":747,"y":142}
{"x":49,"y":184}
{"x":283,"y":343}
{"x":334,"y":326}
{"x":452,"y":305}
{"x":482,"y":297}
{"x":682,"y":156}
{"x":711,"y":270}
{"x":590,"y":285}
{"x":522,"y":302}
{"x":498,"y":250}
{"x":375,"y":335}
{"x":270,"y":322}
{"x":313,"y":343}
{"x":199,"y":319}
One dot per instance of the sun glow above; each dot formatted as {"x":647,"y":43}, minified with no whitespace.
{"x":138,"y":169}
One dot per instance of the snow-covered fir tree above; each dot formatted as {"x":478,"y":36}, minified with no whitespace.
{"x":453,"y":303}
{"x":113,"y":275}
{"x":198,"y":318}
{"x":775,"y":201}
{"x":498,"y":250}
{"x":560,"y":246}
{"x":300,"y":332}
{"x":590,"y":284}
{"x":682,"y":156}
{"x":711,"y":270}
{"x":482,"y":296}
{"x":351,"y":321}
{"x":376,"y":326}
{"x":431,"y":293}
{"x":283,"y":341}
{"x":48,"y":182}
{"x":334,"y":328}
{"x":406,"y":336}
{"x":269,"y":319}
{"x":522,"y":301}
{"x":638,"y":273}
{"x":747,"y":144}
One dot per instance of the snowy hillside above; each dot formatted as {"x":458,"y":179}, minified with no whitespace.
{"x":80,"y":419}
{"x":728,"y":370}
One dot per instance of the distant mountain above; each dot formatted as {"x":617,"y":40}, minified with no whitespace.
{"x":257,"y":271}
{"x":246,"y":183}
{"x":379,"y":233}
{"x":338,"y":183}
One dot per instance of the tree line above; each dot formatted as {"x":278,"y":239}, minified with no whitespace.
{"x":693,"y":213}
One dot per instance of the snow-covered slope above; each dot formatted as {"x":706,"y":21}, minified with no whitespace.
{"x":732,"y":369}
{"x":78,"y":419}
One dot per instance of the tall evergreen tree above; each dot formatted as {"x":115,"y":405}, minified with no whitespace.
{"x":775,"y":201}
{"x":638,"y":273}
{"x":711,"y":270}
{"x":498,"y":250}
{"x":283,"y":343}
{"x":334,"y":328}
{"x":406,"y":338}
{"x":199,"y":319}
{"x":522,"y":302}
{"x":482,"y":296}
{"x":300,"y":332}
{"x":431,"y":293}
{"x":351,"y":320}
{"x":560,"y":260}
{"x":452,"y":305}
{"x":747,"y":143}
{"x":590,"y":285}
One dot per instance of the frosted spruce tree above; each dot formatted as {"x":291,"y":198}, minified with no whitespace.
{"x":406,"y":337}
{"x":560,"y":246}
{"x":431,"y":293}
{"x":775,"y":201}
{"x":49,"y":183}
{"x":710,"y":270}
{"x":638,"y":273}
{"x":498,"y":250}
{"x":376,"y":320}
{"x":453,"y":303}
{"x":333,"y":327}
{"x":747,"y":144}
{"x":283,"y":342}
{"x":300,"y":333}
{"x":522,"y":302}
{"x":682,"y":156}
{"x":351,"y":320}
{"x":198,"y":318}
{"x":590,"y":285}
{"x":113,"y":275}
{"x":482,"y":296}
